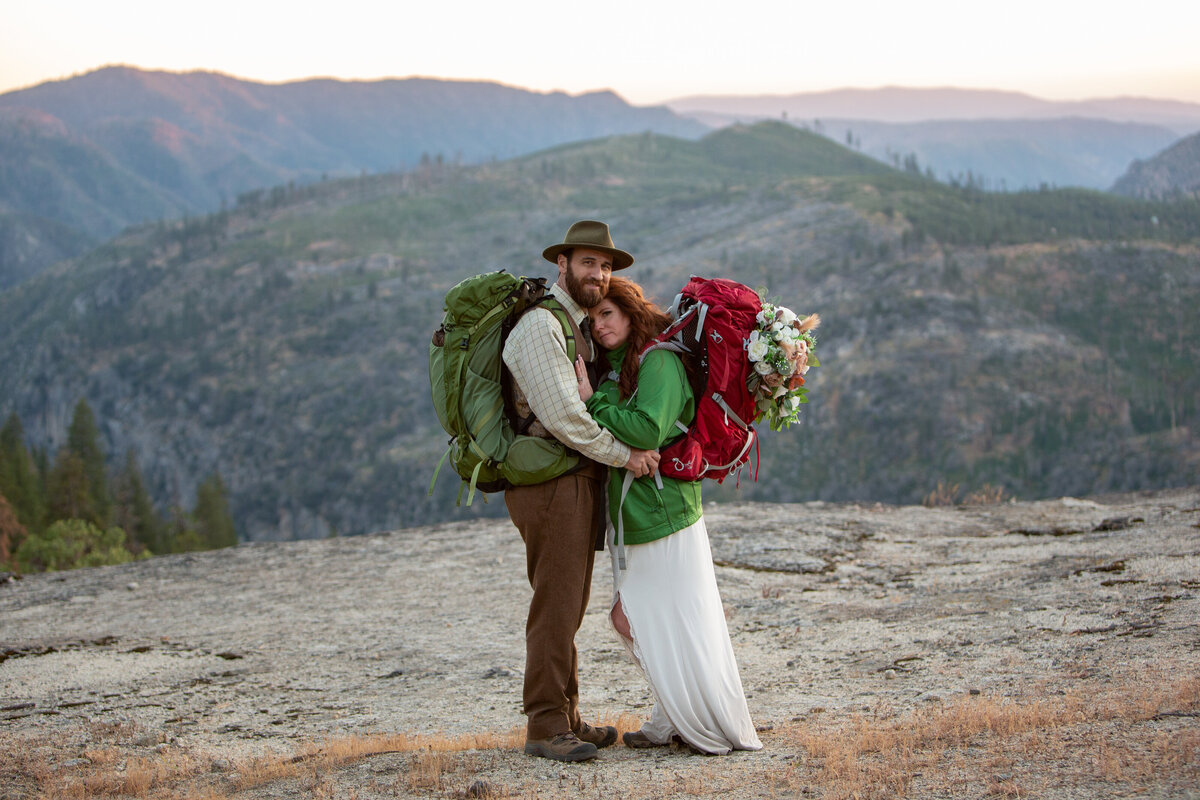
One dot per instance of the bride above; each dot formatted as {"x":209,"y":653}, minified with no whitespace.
{"x":666,"y":606}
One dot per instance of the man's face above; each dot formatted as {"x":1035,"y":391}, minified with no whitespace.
{"x":585,"y":276}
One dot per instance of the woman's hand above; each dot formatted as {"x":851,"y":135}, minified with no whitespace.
{"x":584,"y":384}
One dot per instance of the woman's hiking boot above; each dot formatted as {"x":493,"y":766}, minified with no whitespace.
{"x":639,"y":740}
{"x":600,"y":735}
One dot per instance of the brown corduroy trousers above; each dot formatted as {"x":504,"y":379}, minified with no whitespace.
{"x":558,"y":522}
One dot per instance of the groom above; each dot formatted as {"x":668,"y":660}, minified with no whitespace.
{"x":559,"y":519}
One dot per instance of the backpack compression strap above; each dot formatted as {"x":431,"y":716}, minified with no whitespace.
{"x":464,"y":343}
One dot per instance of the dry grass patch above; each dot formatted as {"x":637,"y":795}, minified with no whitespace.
{"x":38,"y":768}
{"x":1080,"y":738}
{"x":947,"y":494}
{"x":430,"y":763}
{"x":1122,"y":737}
{"x":624,"y":722}
{"x":944,"y":494}
{"x":1171,"y":753}
{"x":987,"y":495}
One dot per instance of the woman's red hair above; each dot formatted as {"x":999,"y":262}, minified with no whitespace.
{"x":646,"y":320}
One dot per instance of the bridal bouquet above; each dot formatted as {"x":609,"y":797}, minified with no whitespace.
{"x":781,"y":350}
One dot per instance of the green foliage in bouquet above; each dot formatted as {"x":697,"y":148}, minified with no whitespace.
{"x":781,"y":349}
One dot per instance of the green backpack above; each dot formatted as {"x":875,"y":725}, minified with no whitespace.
{"x":465,"y":371}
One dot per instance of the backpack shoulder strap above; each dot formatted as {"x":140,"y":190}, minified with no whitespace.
{"x":575,"y":341}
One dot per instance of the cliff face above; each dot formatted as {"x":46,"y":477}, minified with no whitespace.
{"x":1069,"y":623}
{"x":1043,"y":343}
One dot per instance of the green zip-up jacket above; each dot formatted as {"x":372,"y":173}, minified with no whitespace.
{"x":646,"y":421}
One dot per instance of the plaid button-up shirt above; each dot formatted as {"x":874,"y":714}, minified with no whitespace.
{"x":536,"y":355}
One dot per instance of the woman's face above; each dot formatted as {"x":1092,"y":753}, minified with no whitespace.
{"x":610,"y":325}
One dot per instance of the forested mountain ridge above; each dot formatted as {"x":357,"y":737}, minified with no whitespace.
{"x":1175,"y":172}
{"x":1043,"y":342}
{"x":117,"y":146}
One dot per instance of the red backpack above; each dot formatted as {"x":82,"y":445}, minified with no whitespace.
{"x":713,"y":321}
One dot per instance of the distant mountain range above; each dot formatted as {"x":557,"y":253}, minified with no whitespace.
{"x":1004,"y":154}
{"x":1043,"y":342}
{"x":1003,"y":140}
{"x":904,"y":105}
{"x":82,"y":158}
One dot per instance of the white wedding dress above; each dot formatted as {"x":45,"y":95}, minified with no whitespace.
{"x":681,"y":642}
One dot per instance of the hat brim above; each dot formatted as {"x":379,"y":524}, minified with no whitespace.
{"x":620,"y":258}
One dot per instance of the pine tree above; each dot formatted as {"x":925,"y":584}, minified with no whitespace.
{"x":83,"y":439}
{"x":68,"y":495}
{"x":213,"y":520}
{"x":181,"y":535}
{"x":19,"y":479}
{"x":12,"y":533}
{"x":41,"y":463}
{"x":134,"y":512}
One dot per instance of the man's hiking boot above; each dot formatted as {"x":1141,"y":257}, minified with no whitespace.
{"x":638,"y":740}
{"x":599,"y":735}
{"x":561,"y":747}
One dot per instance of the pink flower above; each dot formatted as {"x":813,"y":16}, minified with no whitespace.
{"x":773,"y":380}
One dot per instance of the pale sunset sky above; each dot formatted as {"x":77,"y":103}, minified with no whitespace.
{"x":646,"y":51}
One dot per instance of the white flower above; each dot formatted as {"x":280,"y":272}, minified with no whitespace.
{"x":763,"y":316}
{"x":758,"y":350}
{"x":754,"y":336}
{"x":763,"y":368}
{"x":787,"y":316}
{"x":794,"y":400}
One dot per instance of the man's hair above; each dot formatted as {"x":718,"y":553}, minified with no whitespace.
{"x":646,"y":320}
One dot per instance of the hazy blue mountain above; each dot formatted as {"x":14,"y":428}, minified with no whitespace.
{"x":1175,"y":172}
{"x":1002,"y":154}
{"x":900,"y":105}
{"x":1005,"y":140}
{"x":118,"y":146}
{"x":1039,"y":341}
{"x":1009,"y":154}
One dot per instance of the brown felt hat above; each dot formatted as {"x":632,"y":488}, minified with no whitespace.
{"x":591,"y":235}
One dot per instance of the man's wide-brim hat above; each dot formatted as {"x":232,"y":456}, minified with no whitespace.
{"x":590,"y":235}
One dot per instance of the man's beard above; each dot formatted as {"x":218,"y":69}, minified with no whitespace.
{"x":587,"y":295}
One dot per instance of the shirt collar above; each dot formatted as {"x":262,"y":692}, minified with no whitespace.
{"x":617,"y":357}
